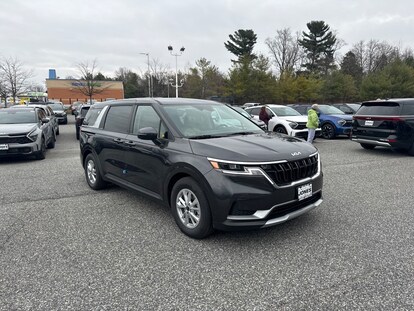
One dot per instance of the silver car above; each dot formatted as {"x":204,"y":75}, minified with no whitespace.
{"x":25,"y":131}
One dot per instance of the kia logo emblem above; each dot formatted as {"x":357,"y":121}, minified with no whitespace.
{"x":294,"y":154}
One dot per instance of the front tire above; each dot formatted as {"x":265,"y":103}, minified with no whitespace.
{"x":52,"y":142}
{"x":190,"y":209}
{"x":41,"y":154}
{"x":92,"y":173}
{"x":328,"y":131}
{"x":280,"y":129}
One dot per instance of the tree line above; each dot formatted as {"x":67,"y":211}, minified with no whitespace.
{"x":298,"y":67}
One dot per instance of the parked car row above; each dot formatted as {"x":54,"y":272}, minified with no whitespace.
{"x":334,"y":120}
{"x":28,"y":130}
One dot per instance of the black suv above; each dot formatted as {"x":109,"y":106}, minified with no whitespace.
{"x":387,"y":123}
{"x":211,"y":165}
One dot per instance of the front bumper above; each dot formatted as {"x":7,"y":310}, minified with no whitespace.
{"x":304,"y":133}
{"x":243,"y":202}
{"x":343,"y":130}
{"x":20,"y":149}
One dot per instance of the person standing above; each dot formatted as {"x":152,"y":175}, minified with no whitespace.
{"x":313,"y":122}
{"x":263,"y":115}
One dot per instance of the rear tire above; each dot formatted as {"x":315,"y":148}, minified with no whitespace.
{"x":367,"y":146}
{"x":92,"y":173}
{"x":190,"y":209}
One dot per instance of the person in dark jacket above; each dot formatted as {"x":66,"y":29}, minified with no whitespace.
{"x":264,"y":116}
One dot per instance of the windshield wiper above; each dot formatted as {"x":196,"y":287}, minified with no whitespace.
{"x":240,"y":133}
{"x":203,"y":136}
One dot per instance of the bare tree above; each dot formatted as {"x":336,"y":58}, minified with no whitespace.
{"x":375,"y":55}
{"x":285,"y":50}
{"x":87,"y":83}
{"x":14,"y":77}
{"x":159,"y":77}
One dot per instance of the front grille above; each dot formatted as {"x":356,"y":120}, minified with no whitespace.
{"x":292,"y":207}
{"x":348,"y":123}
{"x":301,"y":126}
{"x":288,"y":172}
{"x":15,"y":140}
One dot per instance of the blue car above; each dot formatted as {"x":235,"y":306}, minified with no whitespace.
{"x":332,"y":121}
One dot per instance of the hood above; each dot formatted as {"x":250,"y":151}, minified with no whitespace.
{"x":264,"y":147}
{"x":295,"y":118}
{"x":346,"y":117}
{"x":12,"y":129}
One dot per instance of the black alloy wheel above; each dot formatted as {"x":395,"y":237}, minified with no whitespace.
{"x":280,"y":129}
{"x":328,"y":131}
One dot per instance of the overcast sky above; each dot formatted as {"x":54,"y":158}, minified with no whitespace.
{"x":59,"y":34}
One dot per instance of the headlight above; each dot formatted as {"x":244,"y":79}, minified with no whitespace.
{"x":227,"y":166}
{"x":33,"y":135}
{"x":342,"y":122}
{"x":293,"y":124}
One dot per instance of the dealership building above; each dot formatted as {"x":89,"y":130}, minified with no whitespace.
{"x":70,"y":90}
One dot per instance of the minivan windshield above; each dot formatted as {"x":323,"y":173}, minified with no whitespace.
{"x":209,"y":120}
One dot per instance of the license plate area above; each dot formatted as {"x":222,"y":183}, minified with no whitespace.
{"x":369,"y":123}
{"x":304,"y":191}
{"x":4,"y":147}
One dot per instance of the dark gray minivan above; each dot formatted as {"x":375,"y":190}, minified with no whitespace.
{"x":212,"y":166}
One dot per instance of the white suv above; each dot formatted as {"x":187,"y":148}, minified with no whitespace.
{"x":284,"y":119}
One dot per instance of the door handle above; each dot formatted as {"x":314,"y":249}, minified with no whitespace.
{"x":129,"y":143}
{"x":118,"y":140}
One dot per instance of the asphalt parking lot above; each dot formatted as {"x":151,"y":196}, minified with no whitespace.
{"x":64,"y":246}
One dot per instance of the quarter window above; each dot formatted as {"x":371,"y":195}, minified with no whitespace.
{"x":117,"y":119}
{"x":91,"y":117}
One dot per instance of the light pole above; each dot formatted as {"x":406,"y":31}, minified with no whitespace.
{"x":149,"y":77}
{"x":170,"y":48}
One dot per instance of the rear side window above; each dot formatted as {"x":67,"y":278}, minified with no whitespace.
{"x":255,"y":111}
{"x":84,"y":110}
{"x":91,"y":117}
{"x":408,"y":110}
{"x":117,"y":119}
{"x":380,"y":109}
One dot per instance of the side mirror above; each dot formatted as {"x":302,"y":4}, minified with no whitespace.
{"x":148,"y":133}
